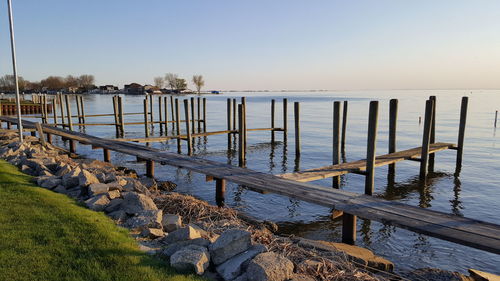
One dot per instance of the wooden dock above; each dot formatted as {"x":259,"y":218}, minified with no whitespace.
{"x":359,"y":167}
{"x":465,"y":231}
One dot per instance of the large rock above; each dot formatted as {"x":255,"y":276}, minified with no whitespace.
{"x":114,"y":205}
{"x":192,"y":258}
{"x":85,"y":178}
{"x":51,"y":182}
{"x":97,"y":188}
{"x":70,"y":179}
{"x":118,"y":215}
{"x":171,"y":222}
{"x":233,"y":267}
{"x":182,"y":234}
{"x":113,"y":194}
{"x":97,"y":203}
{"x":359,"y":255}
{"x":269,"y":267}
{"x":63,"y":170}
{"x":145,"y":219}
{"x":229,"y":244}
{"x":135,"y":203}
{"x":152,"y":233}
{"x":176,"y":246}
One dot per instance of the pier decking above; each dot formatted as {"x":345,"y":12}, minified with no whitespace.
{"x":465,"y":231}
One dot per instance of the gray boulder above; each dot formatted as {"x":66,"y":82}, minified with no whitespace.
{"x":270,"y":267}
{"x":171,"y":222}
{"x":192,"y":258}
{"x":118,"y":215}
{"x":242,"y":277}
{"x":97,"y":188}
{"x":114,"y":205}
{"x":63,"y":170}
{"x":85,"y":178}
{"x":145,"y":219}
{"x":176,"y":246}
{"x":229,"y":244}
{"x":233,"y":267}
{"x":182,"y":234}
{"x":135,"y":203}
{"x":97,"y":203}
{"x":51,"y":182}
{"x":70,"y":179}
{"x":113,"y":194}
{"x":152,"y":233}
{"x":114,"y":185}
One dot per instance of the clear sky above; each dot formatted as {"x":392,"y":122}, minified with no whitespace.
{"x":261,"y":44}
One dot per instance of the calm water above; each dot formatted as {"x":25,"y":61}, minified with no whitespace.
{"x":474,"y":194}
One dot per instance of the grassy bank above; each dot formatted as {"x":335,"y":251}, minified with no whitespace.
{"x":47,"y":236}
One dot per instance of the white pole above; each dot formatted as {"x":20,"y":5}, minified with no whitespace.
{"x":14,"y":67}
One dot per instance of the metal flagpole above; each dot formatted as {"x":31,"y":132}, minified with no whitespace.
{"x":14,"y":67}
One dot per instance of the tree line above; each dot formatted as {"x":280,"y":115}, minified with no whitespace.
{"x":51,"y":83}
{"x":178,"y":84}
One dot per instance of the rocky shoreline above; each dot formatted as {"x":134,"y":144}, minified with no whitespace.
{"x":191,"y":235}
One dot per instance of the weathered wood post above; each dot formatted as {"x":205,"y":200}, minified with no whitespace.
{"x":146,"y":127}
{"x":193,"y":119}
{"x":228,"y":111}
{"x":285,"y":119}
{"x":49,"y":138}
{"x":204,"y":115}
{"x":160,"y":114}
{"x":107,"y":155}
{"x":273,"y":113}
{"x":178,"y":125}
{"x":188,"y":129}
{"x":115,"y":114}
{"x":165,"y":100}
{"x":296,"y":107}
{"x":432,"y":138}
{"x":172,"y":104}
{"x":54,"y":111}
{"x":151,"y":113}
{"x":244,"y":117}
{"x":393,"y":119}
{"x":198,"y":104}
{"x":461,"y":130}
{"x":235,"y":112}
{"x":344,"y":126}
{"x":41,"y":136}
{"x":150,"y":168}
{"x":426,"y":136}
{"x":336,"y":141}
{"x":82,"y":104}
{"x":348,"y":229}
{"x":68,"y":110}
{"x":78,"y":109}
{"x":496,"y":117}
{"x":241,"y":142}
{"x":371,"y":145}
{"x":61,"y":106}
{"x":220,"y":191}
{"x":72,"y":146}
{"x":120,"y":115}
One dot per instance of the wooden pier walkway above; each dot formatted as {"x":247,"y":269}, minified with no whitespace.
{"x":465,"y":231}
{"x":359,"y":167}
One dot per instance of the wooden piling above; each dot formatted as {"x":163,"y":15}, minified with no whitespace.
{"x":41,"y":136}
{"x":220,"y":191}
{"x":241,"y":143}
{"x":393,"y":119}
{"x":178,"y":124}
{"x":297,"y":127}
{"x":54,"y":111}
{"x":244,"y":118}
{"x":172,"y":109}
{"x":461,"y":130}
{"x":146,"y":125}
{"x":348,"y":229}
{"x":82,"y":104}
{"x":229,"y":114}
{"x":205,"y":115}
{"x":235,"y":112}
{"x":198,"y":104}
{"x":160,"y":114}
{"x":120,"y":115}
{"x":150,"y":169}
{"x":59,"y":96}
{"x":165,"y":101}
{"x":426,"y":136}
{"x":371,"y":148}
{"x":68,"y":110}
{"x":151,"y":111}
{"x":49,"y":138}
{"x":72,"y":146}
{"x":336,"y":141}
{"x":344,"y":126}
{"x":496,"y":117}
{"x":188,"y":129}
{"x":273,"y":113}
{"x":78,"y":110}
{"x":432,"y":138}
{"x":193,"y":120}
{"x":285,"y":118}
{"x":107,"y":155}
{"x":115,"y":114}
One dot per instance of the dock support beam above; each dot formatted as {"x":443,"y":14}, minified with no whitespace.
{"x":72,"y":146}
{"x":188,"y":129}
{"x":68,"y":110}
{"x":160,"y":114}
{"x":336,"y":141}
{"x":241,"y":141}
{"x":348,"y":229}
{"x":120,"y":116}
{"x":285,"y":119}
{"x":229,"y":114}
{"x":107,"y":156}
{"x":220,"y":191}
{"x":146,"y":127}
{"x":177,"y":124}
{"x":433,"y":133}
{"x":461,"y":130}
{"x":273,"y":113}
{"x":393,"y":120}
{"x":205,"y":115}
{"x":193,"y":119}
{"x":296,"y":107}
{"x":424,"y":157}
{"x":150,"y":168}
{"x":371,"y":145}
{"x":344,"y":126}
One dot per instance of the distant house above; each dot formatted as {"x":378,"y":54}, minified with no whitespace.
{"x":152,"y":89}
{"x":133,"y":89}
{"x":108,"y":89}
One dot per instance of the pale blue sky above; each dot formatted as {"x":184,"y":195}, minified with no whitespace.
{"x":261,"y":44}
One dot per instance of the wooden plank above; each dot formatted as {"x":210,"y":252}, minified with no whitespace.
{"x":360,"y":165}
{"x":41,"y":136}
{"x":469,"y":232}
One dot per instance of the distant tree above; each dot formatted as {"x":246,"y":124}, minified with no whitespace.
{"x":8,"y":84}
{"x":198,"y":82}
{"x":180,"y":84}
{"x":71,"y":81}
{"x":54,"y":83}
{"x":159,"y":82}
{"x":87,"y":81}
{"x":171,"y":80}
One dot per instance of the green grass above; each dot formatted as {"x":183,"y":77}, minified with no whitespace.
{"x":48,"y":236}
